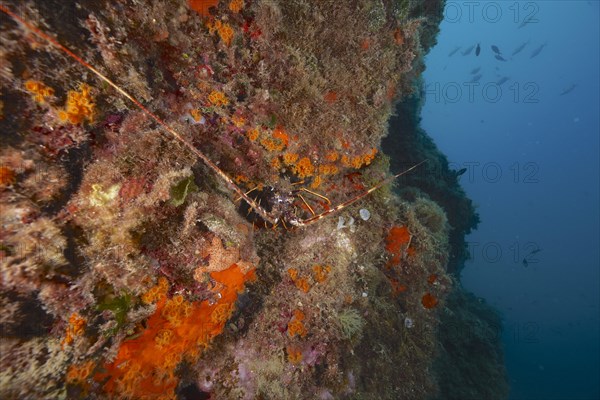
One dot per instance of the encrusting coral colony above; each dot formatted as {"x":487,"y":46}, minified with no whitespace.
{"x":130,"y":270}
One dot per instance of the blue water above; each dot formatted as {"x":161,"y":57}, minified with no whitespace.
{"x":532,"y":159}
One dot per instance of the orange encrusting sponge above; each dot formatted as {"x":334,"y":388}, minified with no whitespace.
{"x":202,"y":6}
{"x":396,"y":242}
{"x":178,"y":329}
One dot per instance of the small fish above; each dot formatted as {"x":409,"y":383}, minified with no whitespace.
{"x":460,"y":172}
{"x":468,"y":51}
{"x":476,"y":78}
{"x":525,"y":263}
{"x":477,"y":50}
{"x":495,"y":49}
{"x":454,"y":51}
{"x":537,"y":51}
{"x":475,"y":70}
{"x":567,"y":90}
{"x":502,"y":80}
{"x":520,"y":48}
{"x":499,"y":57}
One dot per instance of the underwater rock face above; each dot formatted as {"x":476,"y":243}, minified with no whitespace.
{"x":130,"y":267}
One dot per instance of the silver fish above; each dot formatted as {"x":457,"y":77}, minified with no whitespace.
{"x":537,"y":51}
{"x":468,"y":51}
{"x":520,"y":48}
{"x":502,"y":80}
{"x":476,"y":78}
{"x":567,"y":90}
{"x":454,"y":51}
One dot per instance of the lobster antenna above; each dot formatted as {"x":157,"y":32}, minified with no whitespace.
{"x":353,"y":200}
{"x":42,"y":35}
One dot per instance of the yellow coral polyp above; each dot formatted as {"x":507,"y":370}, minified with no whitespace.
{"x":196,"y":114}
{"x":80,"y":106}
{"x":253,"y":134}
{"x":328,"y":169}
{"x":76,"y":328}
{"x":294,"y":355}
{"x":360,"y":161}
{"x":240,"y":178}
{"x":149,"y":296}
{"x":77,"y":324}
{"x":218,"y":98}
{"x":38,"y":90}
{"x":163,"y":337}
{"x":290,"y":158}
{"x":221,"y":313}
{"x":293,"y":273}
{"x":156,"y":292}
{"x":275,"y":163}
{"x":356,"y":162}
{"x":224,"y":30}
{"x":296,"y":326}
{"x":163,"y":284}
{"x":171,"y":360}
{"x":236,"y":5}
{"x":272,"y":144}
{"x":369,"y":157}
{"x":238,"y":121}
{"x":320,"y":272}
{"x":346,"y":160}
{"x":176,"y":310}
{"x":299,"y":315}
{"x":78,"y":373}
{"x":316,"y":182}
{"x":33,"y":86}
{"x":304,"y":168}
{"x":280,"y":135}
{"x":226,"y":34}
{"x":302,"y":284}
{"x":332,"y":156}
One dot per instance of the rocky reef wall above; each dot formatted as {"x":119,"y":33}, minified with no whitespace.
{"x":170,"y":219}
